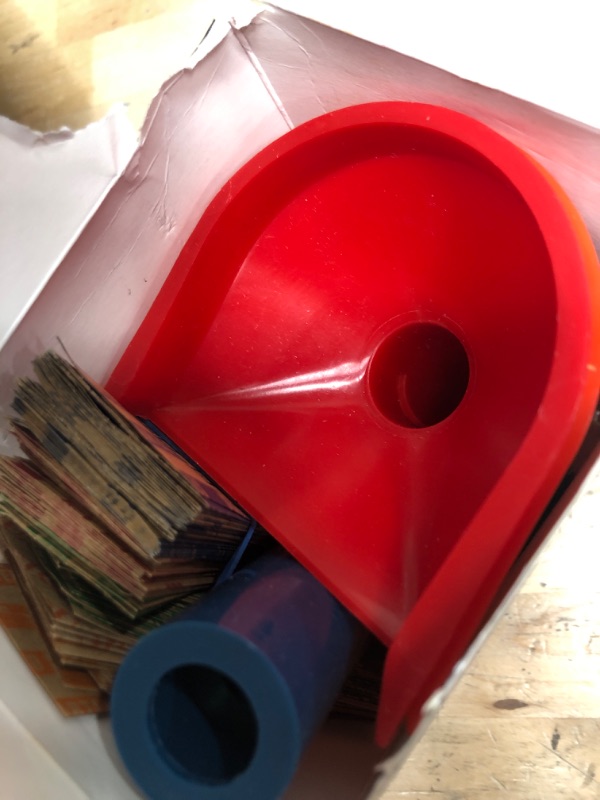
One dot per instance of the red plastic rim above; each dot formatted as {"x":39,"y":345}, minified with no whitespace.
{"x":380,"y":339}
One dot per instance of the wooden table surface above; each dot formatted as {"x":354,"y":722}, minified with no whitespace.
{"x":524,"y":721}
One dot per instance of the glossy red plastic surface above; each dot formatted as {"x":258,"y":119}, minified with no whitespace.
{"x":380,"y":340}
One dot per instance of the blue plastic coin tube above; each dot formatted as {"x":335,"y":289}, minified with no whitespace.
{"x":219,"y":703}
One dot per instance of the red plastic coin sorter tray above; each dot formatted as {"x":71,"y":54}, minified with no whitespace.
{"x":380,"y":340}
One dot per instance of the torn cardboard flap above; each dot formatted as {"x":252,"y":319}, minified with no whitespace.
{"x":51,"y":184}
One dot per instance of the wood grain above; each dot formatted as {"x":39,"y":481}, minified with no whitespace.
{"x":66,"y":62}
{"x":524,"y":721}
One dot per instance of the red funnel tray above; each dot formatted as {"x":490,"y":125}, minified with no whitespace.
{"x":380,"y":340}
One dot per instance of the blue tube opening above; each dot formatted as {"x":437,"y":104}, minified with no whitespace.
{"x":203,"y":724}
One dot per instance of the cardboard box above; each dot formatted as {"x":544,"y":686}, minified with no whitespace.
{"x":254,"y":80}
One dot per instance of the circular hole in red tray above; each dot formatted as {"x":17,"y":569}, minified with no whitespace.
{"x":419,"y":375}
